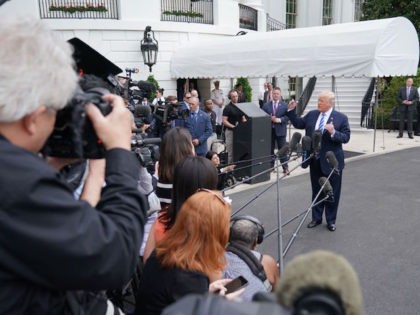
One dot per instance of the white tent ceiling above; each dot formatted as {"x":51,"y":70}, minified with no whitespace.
{"x":387,"y":47}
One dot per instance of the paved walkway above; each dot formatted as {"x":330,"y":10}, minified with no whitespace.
{"x":366,"y":143}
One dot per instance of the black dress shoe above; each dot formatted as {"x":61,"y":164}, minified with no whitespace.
{"x":399,"y":136}
{"x":331,"y":227}
{"x":417,"y":134}
{"x":313,"y":224}
{"x":410,"y":136}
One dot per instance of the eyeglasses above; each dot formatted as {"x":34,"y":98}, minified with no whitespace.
{"x":224,"y":200}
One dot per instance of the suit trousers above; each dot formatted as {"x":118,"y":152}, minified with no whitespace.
{"x":406,"y":111}
{"x":330,"y":206}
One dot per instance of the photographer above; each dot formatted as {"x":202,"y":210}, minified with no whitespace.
{"x":50,"y":243}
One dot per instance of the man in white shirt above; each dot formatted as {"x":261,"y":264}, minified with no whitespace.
{"x":218,"y":102}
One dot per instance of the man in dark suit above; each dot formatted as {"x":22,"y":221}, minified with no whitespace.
{"x":277,"y":109}
{"x":335,"y":130}
{"x":407,"y":98}
{"x":199,"y":125}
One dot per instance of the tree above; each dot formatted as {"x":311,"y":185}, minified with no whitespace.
{"x":389,"y":98}
{"x":151,"y":79}
{"x":246,"y":88}
{"x":381,"y":9}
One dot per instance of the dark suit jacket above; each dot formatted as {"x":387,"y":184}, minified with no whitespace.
{"x":200,"y":129}
{"x":334,"y":144}
{"x":280,"y":128}
{"x":402,"y":95}
{"x":266,"y":96}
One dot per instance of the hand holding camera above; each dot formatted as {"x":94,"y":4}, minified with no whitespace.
{"x":114,"y":130}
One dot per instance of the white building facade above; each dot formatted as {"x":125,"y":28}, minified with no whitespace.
{"x":115,"y":30}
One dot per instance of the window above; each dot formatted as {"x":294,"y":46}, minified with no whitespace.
{"x":292,"y":87}
{"x":291,"y":13}
{"x":327,"y":10}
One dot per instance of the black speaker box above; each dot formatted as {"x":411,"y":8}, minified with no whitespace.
{"x":252,"y":141}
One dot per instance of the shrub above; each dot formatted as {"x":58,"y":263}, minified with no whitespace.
{"x":246,"y":88}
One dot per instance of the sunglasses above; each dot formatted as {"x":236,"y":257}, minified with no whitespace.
{"x":224,"y":200}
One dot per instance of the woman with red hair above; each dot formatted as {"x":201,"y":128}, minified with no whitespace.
{"x":191,"y":255}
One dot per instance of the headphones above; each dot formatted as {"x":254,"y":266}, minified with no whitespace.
{"x":322,"y":302}
{"x":254,"y":220}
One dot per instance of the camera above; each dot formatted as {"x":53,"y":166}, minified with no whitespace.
{"x":73,"y":135}
{"x":166,"y":112}
{"x":134,"y":91}
{"x":146,"y":150}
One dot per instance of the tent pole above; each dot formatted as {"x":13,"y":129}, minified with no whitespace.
{"x":375,"y":108}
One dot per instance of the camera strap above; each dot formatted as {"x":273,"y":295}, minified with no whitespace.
{"x":252,"y":262}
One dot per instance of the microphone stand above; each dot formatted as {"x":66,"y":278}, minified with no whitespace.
{"x":313,"y":203}
{"x":268,"y":187}
{"x":278,"y":205}
{"x":279,"y":234}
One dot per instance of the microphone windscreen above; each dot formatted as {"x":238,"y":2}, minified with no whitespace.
{"x":284,"y":150}
{"x":324,"y":271}
{"x":294,"y":141}
{"x":316,"y":140}
{"x":306,"y":143}
{"x":299,"y":150}
{"x":151,"y":141}
{"x":328,"y":190}
{"x":331,"y":160}
{"x":143,"y":111}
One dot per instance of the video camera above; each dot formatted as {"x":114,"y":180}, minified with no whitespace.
{"x":73,"y":135}
{"x":146,"y":150}
{"x":166,"y":112}
{"x":134,"y":91}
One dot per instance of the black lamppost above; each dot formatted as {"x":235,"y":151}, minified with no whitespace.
{"x":149,"y":47}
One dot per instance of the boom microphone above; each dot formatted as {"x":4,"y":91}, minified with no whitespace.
{"x":151,"y":141}
{"x":328,"y":190}
{"x":284,"y":150}
{"x":294,"y":141}
{"x":316,"y":141}
{"x":299,"y":150}
{"x":306,"y":147}
{"x":321,"y":281}
{"x":331,"y":160}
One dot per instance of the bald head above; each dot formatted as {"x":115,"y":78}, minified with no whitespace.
{"x":194,"y":103}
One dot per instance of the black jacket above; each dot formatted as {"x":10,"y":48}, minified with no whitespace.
{"x":51,"y":243}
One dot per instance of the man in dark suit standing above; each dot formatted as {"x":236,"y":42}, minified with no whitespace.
{"x":335,"y":130}
{"x":277,"y":109}
{"x":199,"y":126}
{"x":407,"y":97}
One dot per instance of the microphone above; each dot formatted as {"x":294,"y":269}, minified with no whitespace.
{"x":332,"y":160}
{"x":329,"y":283}
{"x":316,"y":141}
{"x":299,"y":150}
{"x":294,"y":141}
{"x":150,"y":141}
{"x":328,"y":190}
{"x":284,"y":150}
{"x":143,"y":110}
{"x":306,"y":147}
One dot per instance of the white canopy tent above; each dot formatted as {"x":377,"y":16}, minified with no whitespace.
{"x":387,"y":47}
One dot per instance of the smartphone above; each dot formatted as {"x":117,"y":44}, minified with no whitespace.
{"x":236,"y":284}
